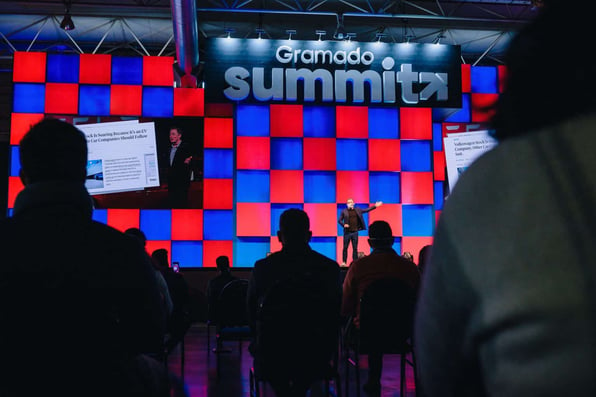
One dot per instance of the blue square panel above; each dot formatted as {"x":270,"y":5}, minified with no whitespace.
{"x":188,"y":253}
{"x":464,"y":115}
{"x":94,"y":100}
{"x":397,"y":245}
{"x":100,"y":216}
{"x":252,"y":186}
{"x":15,"y":161}
{"x":319,"y":186}
{"x":62,"y":68}
{"x":437,"y":137}
{"x":158,"y":101}
{"x":383,"y":123}
{"x":252,"y":120}
{"x":250,"y":249}
{"x":438,"y":195}
{"x":384,"y":186}
{"x":276,"y":211}
{"x":318,"y":121}
{"x":325,"y":245}
{"x":351,"y":154}
{"x":218,"y":225}
{"x":127,"y":70}
{"x":416,"y":156}
{"x":156,"y":224}
{"x":417,"y":220}
{"x":484,"y":79}
{"x":28,"y":98}
{"x":286,"y":153}
{"x":218,"y":163}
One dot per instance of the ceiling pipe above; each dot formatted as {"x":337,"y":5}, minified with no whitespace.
{"x":184,"y":18}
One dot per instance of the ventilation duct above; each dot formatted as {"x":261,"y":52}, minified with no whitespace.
{"x":184,"y":17}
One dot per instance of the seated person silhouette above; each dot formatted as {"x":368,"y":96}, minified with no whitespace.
{"x":216,"y":284}
{"x":382,"y":263}
{"x":295,"y":259}
{"x":79,"y":302}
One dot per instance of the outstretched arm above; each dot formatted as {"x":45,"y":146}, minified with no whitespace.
{"x":372,"y":207}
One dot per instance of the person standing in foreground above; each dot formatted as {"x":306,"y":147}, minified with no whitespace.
{"x":508,"y":300}
{"x":352,"y":221}
{"x":80,"y":308}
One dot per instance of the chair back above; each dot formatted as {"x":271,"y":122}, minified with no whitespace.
{"x":386,"y":316}
{"x":298,"y":327}
{"x":231,"y":305}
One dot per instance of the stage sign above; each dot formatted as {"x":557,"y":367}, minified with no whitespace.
{"x":332,"y":72}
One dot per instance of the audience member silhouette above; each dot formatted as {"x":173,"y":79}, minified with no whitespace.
{"x":508,"y":304}
{"x":179,"y":320}
{"x":216,"y":284}
{"x":140,"y":236}
{"x":383,"y":262}
{"x":295,"y":258}
{"x":424,"y":257}
{"x":80,"y":306}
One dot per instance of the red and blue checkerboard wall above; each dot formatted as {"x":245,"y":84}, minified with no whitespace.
{"x":261,"y":159}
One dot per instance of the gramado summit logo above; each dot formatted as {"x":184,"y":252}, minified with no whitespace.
{"x":334,"y":83}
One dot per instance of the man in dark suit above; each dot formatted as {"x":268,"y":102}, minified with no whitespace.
{"x":352,"y":221}
{"x":178,"y":158}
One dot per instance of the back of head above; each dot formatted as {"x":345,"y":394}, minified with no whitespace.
{"x":294,"y":227}
{"x":223,"y":263}
{"x":138,"y":234}
{"x":160,"y":258}
{"x":53,"y":150}
{"x":380,"y":234}
{"x":532,"y":98}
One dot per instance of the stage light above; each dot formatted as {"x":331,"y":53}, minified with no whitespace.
{"x":229,"y":32}
{"x":260,"y":32}
{"x":290,"y":33}
{"x":67,"y":23}
{"x":320,"y":33}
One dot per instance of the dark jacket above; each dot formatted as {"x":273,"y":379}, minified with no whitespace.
{"x":78,"y":299}
{"x":178,"y":174}
{"x":344,"y":216}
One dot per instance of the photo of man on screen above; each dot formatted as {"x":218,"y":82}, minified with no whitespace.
{"x":179,"y":158}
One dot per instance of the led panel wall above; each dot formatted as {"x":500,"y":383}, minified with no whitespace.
{"x":259,"y":160}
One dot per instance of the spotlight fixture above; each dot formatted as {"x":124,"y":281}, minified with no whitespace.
{"x":67,"y":23}
{"x":438,"y":39}
{"x":350,"y":36}
{"x":320,"y":33}
{"x":340,"y":30}
{"x":229,"y":32}
{"x":380,"y":36}
{"x":290,"y":33}
{"x":260,"y":32}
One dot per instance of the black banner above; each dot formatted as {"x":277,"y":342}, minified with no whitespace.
{"x":332,"y":72}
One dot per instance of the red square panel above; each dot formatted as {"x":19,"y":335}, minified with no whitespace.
{"x":466,"y":78}
{"x":158,"y":71}
{"x":187,"y":224}
{"x":362,"y":247}
{"x":416,"y":123}
{"x":479,"y":104}
{"x":439,"y":165}
{"x":252,"y":153}
{"x":351,"y":121}
{"x":417,"y":188}
{"x":126,"y":99}
{"x":123,"y":219}
{"x":14,"y":188}
{"x":413,"y":245}
{"x":384,"y":155}
{"x":219,"y":133}
{"x":189,"y":102}
{"x":153,"y":245}
{"x":502,"y":73}
{"x":274,"y":245}
{"x":62,"y":98}
{"x":352,"y":184}
{"x":95,"y":69}
{"x":286,"y":186}
{"x":253,"y":219}
{"x":215,"y":248}
{"x":218,"y":194}
{"x":286,"y":120}
{"x":20,"y":123}
{"x":319,"y":154}
{"x":323,"y":219}
{"x":390,"y":213}
{"x":29,"y":67}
